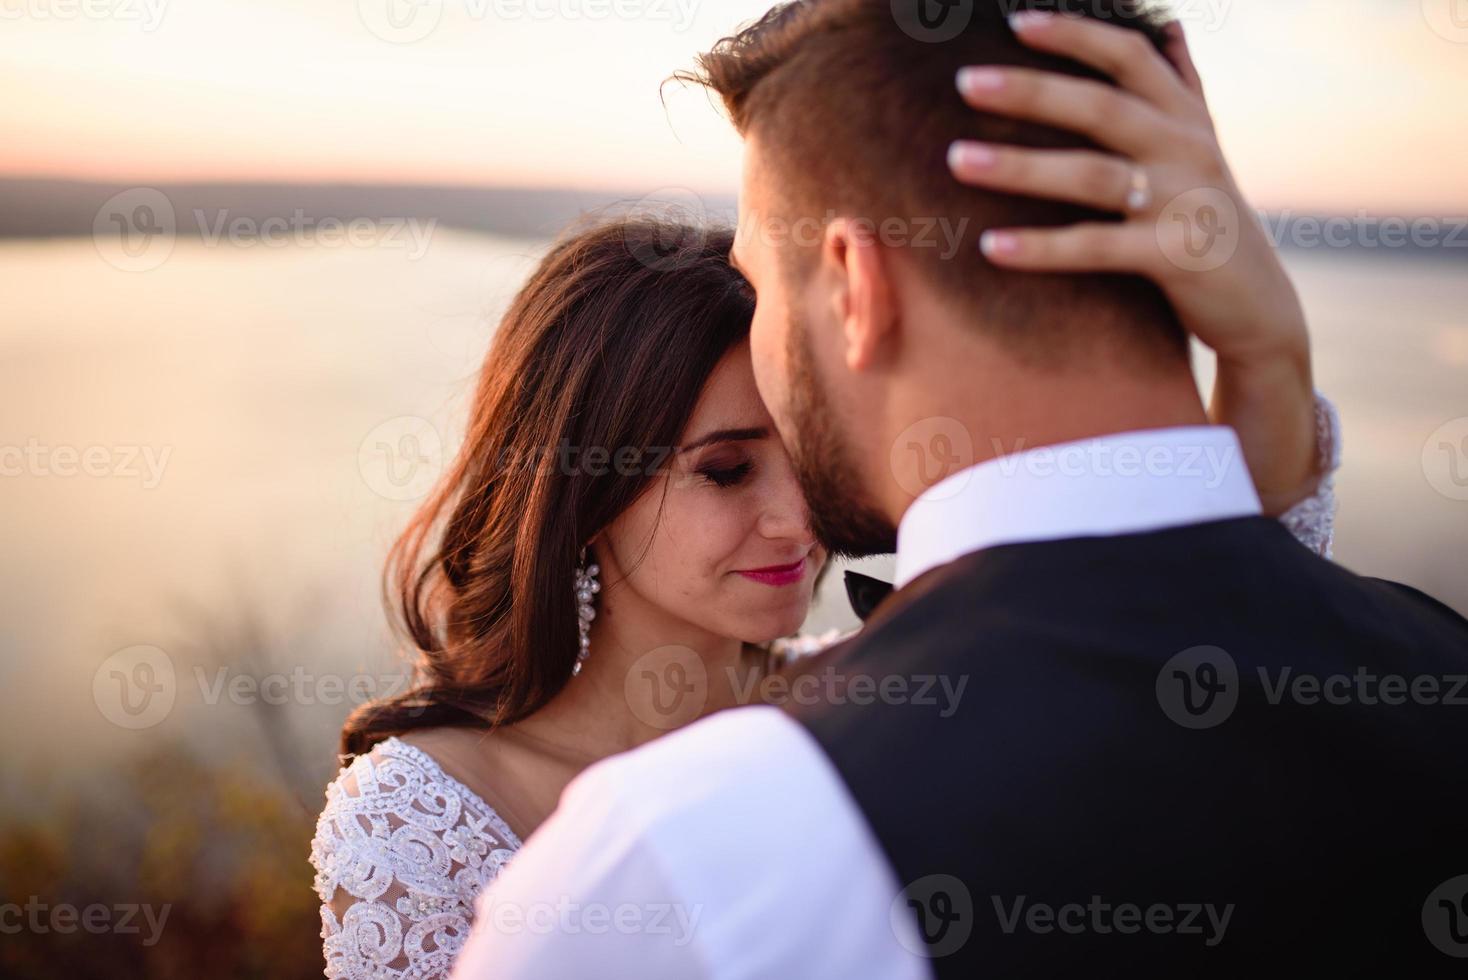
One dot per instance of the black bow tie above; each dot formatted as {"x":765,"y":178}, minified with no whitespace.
{"x":865,"y":593}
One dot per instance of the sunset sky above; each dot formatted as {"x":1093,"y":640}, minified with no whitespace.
{"x":1323,"y":104}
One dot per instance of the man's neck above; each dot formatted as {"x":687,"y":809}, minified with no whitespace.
{"x":1120,"y":483}
{"x":998,"y":420}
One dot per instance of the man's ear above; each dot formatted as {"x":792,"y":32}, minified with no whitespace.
{"x":865,"y":305}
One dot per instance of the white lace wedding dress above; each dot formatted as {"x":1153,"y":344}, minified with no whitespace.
{"x":405,"y":848}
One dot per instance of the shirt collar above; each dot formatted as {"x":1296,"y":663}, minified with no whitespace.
{"x":1124,"y":483}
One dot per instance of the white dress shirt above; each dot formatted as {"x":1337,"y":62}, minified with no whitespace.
{"x":1126,"y":483}
{"x":732,"y":848}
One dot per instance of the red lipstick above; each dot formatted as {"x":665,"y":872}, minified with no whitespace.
{"x":777,"y":575}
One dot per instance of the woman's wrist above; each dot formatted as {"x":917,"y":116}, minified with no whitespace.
{"x":1268,"y":398}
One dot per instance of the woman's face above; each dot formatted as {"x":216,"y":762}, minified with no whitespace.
{"x":722,"y":542}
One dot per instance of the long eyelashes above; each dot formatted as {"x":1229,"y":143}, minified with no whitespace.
{"x":727,"y":477}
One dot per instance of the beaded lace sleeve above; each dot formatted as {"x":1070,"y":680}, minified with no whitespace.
{"x":401,"y":852}
{"x":1312,"y":520}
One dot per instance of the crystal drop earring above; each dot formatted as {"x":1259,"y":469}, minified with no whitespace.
{"x":586,"y":588}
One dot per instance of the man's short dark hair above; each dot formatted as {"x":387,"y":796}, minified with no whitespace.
{"x":854,"y":106}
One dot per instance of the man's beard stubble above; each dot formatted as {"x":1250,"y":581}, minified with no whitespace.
{"x":843,"y":515}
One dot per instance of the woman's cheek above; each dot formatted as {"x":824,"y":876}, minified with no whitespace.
{"x":716,"y":533}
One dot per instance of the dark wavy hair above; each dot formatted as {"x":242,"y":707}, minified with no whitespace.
{"x":606,"y":349}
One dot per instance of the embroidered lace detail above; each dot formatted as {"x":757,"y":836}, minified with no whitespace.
{"x":404,"y":849}
{"x":1312,"y":520}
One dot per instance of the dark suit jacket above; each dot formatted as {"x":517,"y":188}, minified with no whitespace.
{"x":1178,"y":750}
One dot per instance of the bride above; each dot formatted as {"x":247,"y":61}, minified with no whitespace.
{"x":621,"y":499}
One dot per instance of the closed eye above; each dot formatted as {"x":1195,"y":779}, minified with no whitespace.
{"x":727,"y":477}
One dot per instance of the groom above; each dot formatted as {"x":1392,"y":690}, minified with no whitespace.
{"x":1184,"y":742}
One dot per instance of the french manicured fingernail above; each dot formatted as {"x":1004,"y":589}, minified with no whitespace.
{"x":1025,"y":20}
{"x":994,"y":243}
{"x":968,"y":155}
{"x":972,"y":81}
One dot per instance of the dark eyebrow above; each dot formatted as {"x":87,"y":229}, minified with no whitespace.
{"x":726,"y":435}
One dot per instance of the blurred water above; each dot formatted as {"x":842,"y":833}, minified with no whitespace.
{"x":255,"y":377}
